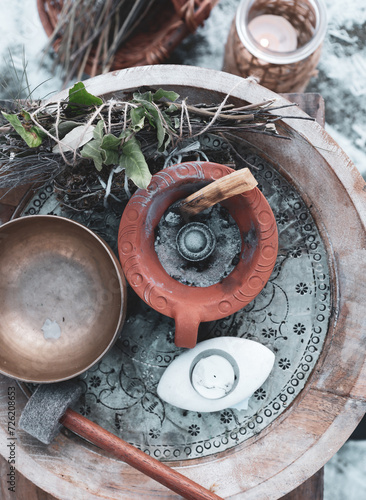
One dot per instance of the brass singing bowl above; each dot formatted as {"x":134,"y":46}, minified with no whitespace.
{"x":62,"y":298}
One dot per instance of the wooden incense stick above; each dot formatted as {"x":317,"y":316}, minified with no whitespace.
{"x":230,"y":185}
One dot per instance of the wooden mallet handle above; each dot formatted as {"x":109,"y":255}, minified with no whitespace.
{"x":136,"y":458}
{"x":230,"y":185}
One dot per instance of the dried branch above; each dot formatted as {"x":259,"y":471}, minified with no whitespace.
{"x":74,"y":175}
{"x":92,"y":32}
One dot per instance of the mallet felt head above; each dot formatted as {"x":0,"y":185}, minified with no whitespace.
{"x":48,"y":403}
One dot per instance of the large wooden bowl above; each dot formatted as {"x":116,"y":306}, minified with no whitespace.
{"x":333,"y":401}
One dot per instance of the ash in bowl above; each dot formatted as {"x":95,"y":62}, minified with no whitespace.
{"x":219,"y":263}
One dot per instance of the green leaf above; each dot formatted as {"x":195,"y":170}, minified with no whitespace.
{"x":138,"y":118}
{"x":109,"y":146}
{"x":80,"y":98}
{"x":150,"y":119}
{"x":170,"y":95}
{"x":25,"y":115}
{"x":39,"y":132}
{"x":92,"y":150}
{"x":103,"y":155}
{"x":146,"y":96}
{"x":110,"y":141}
{"x":133,"y":161}
{"x":149,"y":110}
{"x":171,"y":108}
{"x":125,"y":134}
{"x":99,"y":131}
{"x":155,"y":119}
{"x":64,"y":128}
{"x":153,"y":112}
{"x":167,"y":142}
{"x":32,"y":136}
{"x":111,"y":157}
{"x":79,"y":95}
{"x":168,"y":120}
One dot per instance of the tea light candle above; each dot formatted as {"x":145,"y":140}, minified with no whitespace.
{"x":276,"y":43}
{"x":213,"y":377}
{"x":217,"y":373}
{"x":274,"y":33}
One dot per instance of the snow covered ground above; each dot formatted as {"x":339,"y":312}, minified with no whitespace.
{"x":341,"y":81}
{"x":22,"y":39}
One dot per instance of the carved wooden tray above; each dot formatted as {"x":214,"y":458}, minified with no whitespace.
{"x":310,"y":314}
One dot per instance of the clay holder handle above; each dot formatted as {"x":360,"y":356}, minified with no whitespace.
{"x":230,"y":185}
{"x":186,"y":325}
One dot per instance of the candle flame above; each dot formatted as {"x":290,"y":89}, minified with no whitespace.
{"x":264,"y":42}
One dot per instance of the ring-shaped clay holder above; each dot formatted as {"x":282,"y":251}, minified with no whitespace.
{"x":190,"y":305}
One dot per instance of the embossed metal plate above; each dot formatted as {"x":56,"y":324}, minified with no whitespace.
{"x":290,"y":316}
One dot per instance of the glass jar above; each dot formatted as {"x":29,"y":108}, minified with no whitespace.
{"x":275,"y":68}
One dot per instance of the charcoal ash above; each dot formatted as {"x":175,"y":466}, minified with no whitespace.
{"x":216,"y":266}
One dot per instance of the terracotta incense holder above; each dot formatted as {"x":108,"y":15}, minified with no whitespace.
{"x":191,"y":305}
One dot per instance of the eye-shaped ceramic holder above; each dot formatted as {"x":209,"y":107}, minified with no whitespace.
{"x":218,"y":373}
{"x":190,"y":305}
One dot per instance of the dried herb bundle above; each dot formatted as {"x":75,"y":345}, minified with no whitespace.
{"x":91,"y":147}
{"x":94,"y":30}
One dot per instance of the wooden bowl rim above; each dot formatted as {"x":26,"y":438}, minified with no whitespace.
{"x":324,"y":415}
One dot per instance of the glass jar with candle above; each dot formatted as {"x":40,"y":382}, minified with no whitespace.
{"x":276,"y":41}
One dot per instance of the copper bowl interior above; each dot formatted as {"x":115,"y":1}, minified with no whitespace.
{"x":62,"y":295}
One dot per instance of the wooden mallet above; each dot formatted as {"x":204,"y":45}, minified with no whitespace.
{"x":48,"y":409}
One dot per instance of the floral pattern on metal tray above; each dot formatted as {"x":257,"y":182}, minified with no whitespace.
{"x":290,"y":316}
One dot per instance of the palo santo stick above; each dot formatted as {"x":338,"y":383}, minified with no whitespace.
{"x":230,"y":185}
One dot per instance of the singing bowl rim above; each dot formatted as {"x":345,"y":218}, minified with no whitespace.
{"x":119,"y":288}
